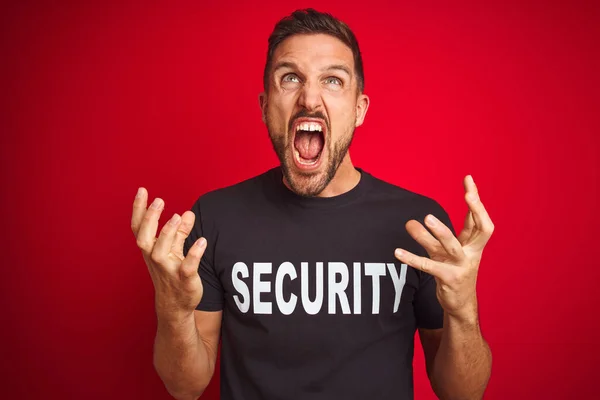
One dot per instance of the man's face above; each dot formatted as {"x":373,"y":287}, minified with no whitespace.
{"x":311,"y":109}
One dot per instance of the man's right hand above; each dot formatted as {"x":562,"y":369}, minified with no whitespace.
{"x":177,"y":285}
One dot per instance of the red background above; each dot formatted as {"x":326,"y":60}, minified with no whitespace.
{"x":99,"y":99}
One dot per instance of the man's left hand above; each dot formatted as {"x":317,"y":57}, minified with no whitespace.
{"x":454,"y":262}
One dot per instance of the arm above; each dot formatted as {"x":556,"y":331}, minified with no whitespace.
{"x":186,"y":341}
{"x":185,"y":352}
{"x":458,"y":359}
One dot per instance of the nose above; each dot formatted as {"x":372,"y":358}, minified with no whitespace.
{"x":310,"y":97}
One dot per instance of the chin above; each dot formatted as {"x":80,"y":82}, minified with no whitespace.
{"x":307,"y":183}
{"x":309,"y":160}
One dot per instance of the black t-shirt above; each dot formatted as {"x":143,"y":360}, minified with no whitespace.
{"x":315,"y":305}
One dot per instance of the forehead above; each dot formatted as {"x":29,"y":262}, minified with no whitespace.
{"x":310,"y":51}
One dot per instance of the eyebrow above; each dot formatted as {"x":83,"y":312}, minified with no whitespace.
{"x":284,"y":64}
{"x":338,"y":67}
{"x":333,"y":67}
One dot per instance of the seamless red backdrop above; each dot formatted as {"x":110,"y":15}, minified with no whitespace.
{"x":98,"y":99}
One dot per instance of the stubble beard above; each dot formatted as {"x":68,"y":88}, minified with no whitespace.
{"x":310,"y":184}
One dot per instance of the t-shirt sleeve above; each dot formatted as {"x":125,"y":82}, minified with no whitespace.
{"x":428,"y":311}
{"x":212,"y":298}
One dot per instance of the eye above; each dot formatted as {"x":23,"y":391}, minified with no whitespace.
{"x":290,"y":78}
{"x":333,"y":80}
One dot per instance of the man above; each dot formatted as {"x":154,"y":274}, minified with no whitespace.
{"x":315,"y":275}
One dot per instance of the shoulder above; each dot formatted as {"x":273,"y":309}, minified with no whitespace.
{"x":392,"y":200}
{"x":389,"y":200}
{"x":383,"y":192}
{"x":235,"y":195}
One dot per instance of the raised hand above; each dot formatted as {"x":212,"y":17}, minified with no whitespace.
{"x":177,"y":285}
{"x":454,"y":262}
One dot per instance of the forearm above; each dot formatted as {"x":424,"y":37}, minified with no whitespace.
{"x":463,"y":362}
{"x":181,"y":358}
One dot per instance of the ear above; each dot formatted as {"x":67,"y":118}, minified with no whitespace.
{"x":362,"y":105}
{"x":262,"y":101}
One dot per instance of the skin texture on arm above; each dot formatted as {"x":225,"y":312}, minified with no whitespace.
{"x":459,"y":360}
{"x":185,"y":353}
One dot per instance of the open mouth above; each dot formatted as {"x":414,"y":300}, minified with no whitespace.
{"x":309,"y":141}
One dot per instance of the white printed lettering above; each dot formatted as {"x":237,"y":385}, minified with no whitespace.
{"x":286,"y":307}
{"x":240,"y":286}
{"x":399,"y":282}
{"x":375,"y":270}
{"x":261,"y":307}
{"x":311,"y":307}
{"x":357,"y":288}
{"x":338,"y":288}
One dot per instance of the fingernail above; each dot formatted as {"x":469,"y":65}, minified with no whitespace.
{"x":399,"y":253}
{"x":201,"y":243}
{"x":139,"y":193}
{"x":174,"y":220}
{"x":431,"y":220}
{"x":156,"y":204}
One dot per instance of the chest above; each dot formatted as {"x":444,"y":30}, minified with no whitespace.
{"x":315,"y":266}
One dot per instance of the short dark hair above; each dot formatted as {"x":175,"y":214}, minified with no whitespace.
{"x":309,"y":21}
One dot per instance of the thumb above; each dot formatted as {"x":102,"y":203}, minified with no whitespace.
{"x":189,"y":266}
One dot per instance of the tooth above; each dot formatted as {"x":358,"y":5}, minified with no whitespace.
{"x":311,"y":127}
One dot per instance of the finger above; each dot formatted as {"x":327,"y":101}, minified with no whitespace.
{"x":469,"y":184}
{"x":483,"y":226}
{"x":191,"y":263}
{"x":467,"y":230}
{"x":453,"y":248}
{"x":424,"y":264}
{"x":139,"y":209}
{"x":418,"y":232}
{"x":187,"y":223}
{"x":147,"y":232}
{"x":163,"y":244}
